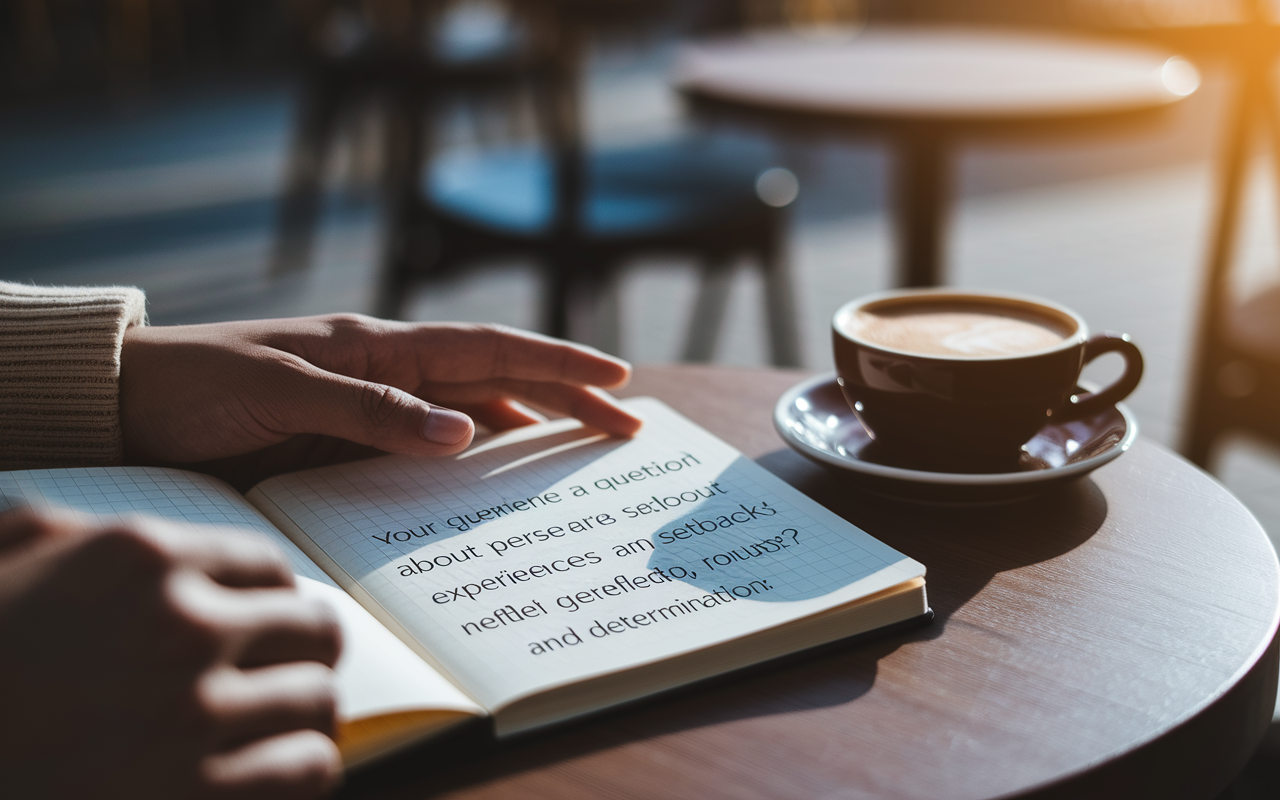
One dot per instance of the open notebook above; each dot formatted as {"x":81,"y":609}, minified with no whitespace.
{"x":543,"y":574}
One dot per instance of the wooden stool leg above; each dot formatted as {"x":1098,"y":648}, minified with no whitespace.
{"x":715,"y":279}
{"x":920,"y":207}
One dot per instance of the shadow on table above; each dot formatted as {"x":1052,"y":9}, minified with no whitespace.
{"x":963,"y":548}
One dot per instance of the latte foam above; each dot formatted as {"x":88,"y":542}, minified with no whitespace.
{"x":954,"y":330}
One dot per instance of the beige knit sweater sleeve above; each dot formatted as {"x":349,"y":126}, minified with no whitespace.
{"x":60,"y":373}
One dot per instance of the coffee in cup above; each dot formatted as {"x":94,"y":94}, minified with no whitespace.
{"x":957,"y":377}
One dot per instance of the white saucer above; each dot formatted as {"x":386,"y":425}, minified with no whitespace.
{"x":814,"y":419}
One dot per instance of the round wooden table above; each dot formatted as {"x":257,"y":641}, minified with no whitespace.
{"x":1115,"y":638}
{"x":924,"y":88}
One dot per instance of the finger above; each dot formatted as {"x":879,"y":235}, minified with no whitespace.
{"x":229,"y":556}
{"x":595,"y":408}
{"x":299,"y":765}
{"x":502,"y":414}
{"x":310,"y":631}
{"x":479,"y":352}
{"x":257,"y":627}
{"x":303,"y":451}
{"x":256,"y":704}
{"x":21,"y":525}
{"x":367,"y":413}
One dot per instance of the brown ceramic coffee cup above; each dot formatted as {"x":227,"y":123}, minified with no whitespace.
{"x":951,"y":377}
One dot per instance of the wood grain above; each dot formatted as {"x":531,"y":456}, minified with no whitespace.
{"x":1113,"y":639}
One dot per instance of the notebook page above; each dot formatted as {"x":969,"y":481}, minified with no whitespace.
{"x":377,"y":674}
{"x":551,"y":553}
{"x":107,"y":493}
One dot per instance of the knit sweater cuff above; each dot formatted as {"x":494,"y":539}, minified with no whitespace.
{"x":60,"y":373}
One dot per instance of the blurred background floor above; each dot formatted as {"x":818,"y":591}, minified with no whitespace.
{"x":176,"y":192}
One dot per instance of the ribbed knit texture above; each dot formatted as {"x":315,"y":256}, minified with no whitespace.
{"x":60,"y":373}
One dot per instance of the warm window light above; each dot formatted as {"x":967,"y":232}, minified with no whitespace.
{"x":1179,"y":76}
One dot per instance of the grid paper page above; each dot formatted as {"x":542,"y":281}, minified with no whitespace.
{"x":106,"y":494}
{"x":552,"y":554}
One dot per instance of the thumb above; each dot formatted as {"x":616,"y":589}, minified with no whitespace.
{"x":373,"y":414}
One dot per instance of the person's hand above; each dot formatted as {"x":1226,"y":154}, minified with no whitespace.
{"x":151,"y":660}
{"x":202,"y":392}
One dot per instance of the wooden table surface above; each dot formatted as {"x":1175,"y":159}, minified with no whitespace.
{"x":1113,"y":639}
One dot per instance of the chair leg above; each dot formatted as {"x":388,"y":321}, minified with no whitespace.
{"x":1202,"y":410}
{"x":716,"y":277}
{"x":1204,"y":417}
{"x":605,"y":301}
{"x":780,"y":304}
{"x":581,"y":298}
{"x":405,"y":145}
{"x":300,"y":206}
{"x":555,"y":301}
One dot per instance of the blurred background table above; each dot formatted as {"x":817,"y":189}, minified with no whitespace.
{"x":1113,"y":639}
{"x":923,"y":89}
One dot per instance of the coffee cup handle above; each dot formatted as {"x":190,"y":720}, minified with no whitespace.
{"x":1089,"y":403}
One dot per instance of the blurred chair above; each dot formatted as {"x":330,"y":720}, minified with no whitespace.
{"x":1235,"y":382}
{"x":362,"y":53}
{"x":581,"y":212}
{"x":691,"y":196}
{"x":1236,"y":373}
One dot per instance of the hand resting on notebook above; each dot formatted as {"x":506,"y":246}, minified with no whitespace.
{"x":146,"y":661}
{"x":296,"y":392}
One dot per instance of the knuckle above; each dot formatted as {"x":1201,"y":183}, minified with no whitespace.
{"x":275,"y":561}
{"x":129,"y":547}
{"x":316,"y":769}
{"x":379,"y":404}
{"x":322,"y":697}
{"x":493,"y":329}
{"x":347,"y":320}
{"x":497,"y":338}
{"x":328,"y":631}
{"x":195,"y":637}
{"x":252,"y":550}
{"x":201,"y":712}
{"x":198,"y":644}
{"x":349,"y":328}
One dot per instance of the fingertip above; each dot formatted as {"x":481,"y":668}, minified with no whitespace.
{"x":611,"y":417}
{"x":593,"y":367}
{"x":504,"y":414}
{"x":444,"y":426}
{"x":628,"y":425}
{"x":617,"y":373}
{"x":298,"y":764}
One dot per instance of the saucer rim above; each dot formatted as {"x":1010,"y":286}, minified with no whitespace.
{"x":855,"y":465}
